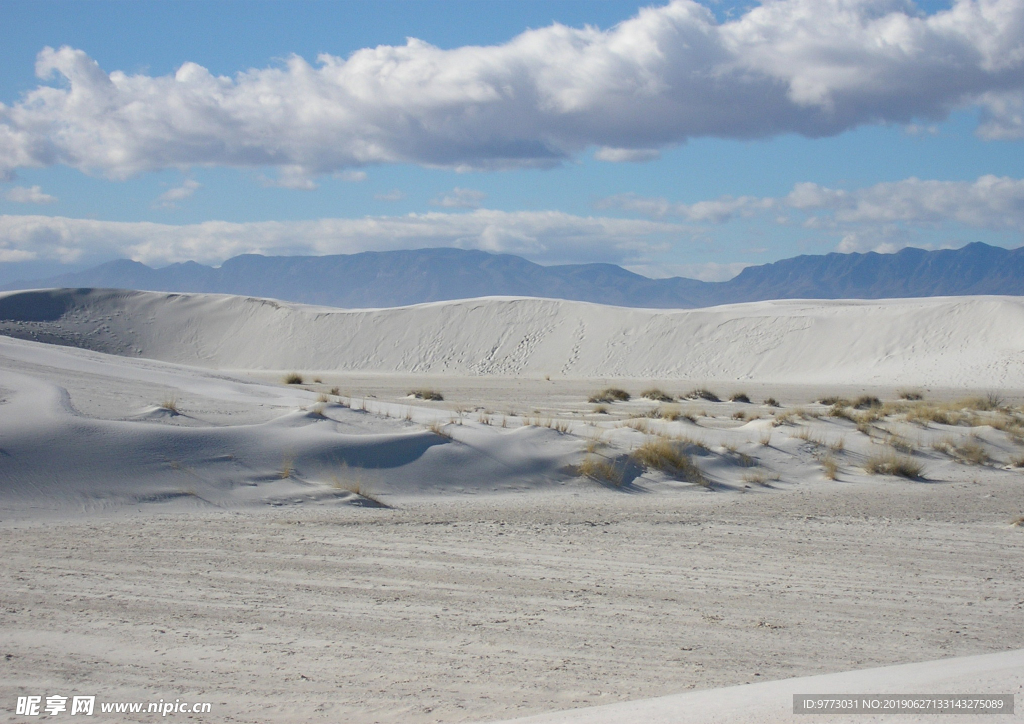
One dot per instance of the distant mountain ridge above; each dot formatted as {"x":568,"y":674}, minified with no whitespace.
{"x":399,"y":278}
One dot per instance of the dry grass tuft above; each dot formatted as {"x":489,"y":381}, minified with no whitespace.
{"x":600,"y":410}
{"x":427,"y":394}
{"x":610,"y":394}
{"x":702,"y":393}
{"x":866,"y":402}
{"x":911,"y":395}
{"x":601,"y":470}
{"x":669,"y":457}
{"x":760,"y":477}
{"x":890,"y":463}
{"x":657,"y":395}
{"x":830,"y":466}
{"x":293,"y":378}
{"x":170,"y":404}
{"x":740,"y":397}
{"x":771,"y":402}
{"x":766,"y":438}
{"x":323,"y":397}
{"x":438,"y":428}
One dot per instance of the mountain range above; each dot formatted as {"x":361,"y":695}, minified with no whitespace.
{"x":397,"y":278}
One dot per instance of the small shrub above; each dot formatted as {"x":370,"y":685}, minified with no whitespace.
{"x":170,"y":404}
{"x":293,"y":378}
{"x":657,"y":395}
{"x":833,"y":400}
{"x":335,"y":391}
{"x":668,"y":457}
{"x":702,"y":393}
{"x":610,"y":394}
{"x":830,"y":466}
{"x":741,"y":415}
{"x":318,"y":381}
{"x":600,"y":410}
{"x":911,"y":395}
{"x":890,"y":463}
{"x":323,"y":397}
{"x":866,"y":402}
{"x":426,"y":394}
{"x":740,"y":397}
{"x":771,"y":402}
{"x":971,"y":452}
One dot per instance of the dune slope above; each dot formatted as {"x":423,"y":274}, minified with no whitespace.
{"x":964,"y":342}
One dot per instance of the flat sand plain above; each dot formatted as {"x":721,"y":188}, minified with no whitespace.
{"x":472,"y":610}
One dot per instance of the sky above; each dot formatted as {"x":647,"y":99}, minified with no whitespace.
{"x":673,"y":139}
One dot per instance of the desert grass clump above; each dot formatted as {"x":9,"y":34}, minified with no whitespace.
{"x":771,"y":402}
{"x":639,"y":424}
{"x":600,"y":410}
{"x":890,"y":463}
{"x":657,"y":395}
{"x":427,"y":394}
{"x":603,"y":471}
{"x":911,"y":395}
{"x":766,"y":438}
{"x":740,"y":415}
{"x":703,"y":393}
{"x":866,"y":402}
{"x":170,"y":404}
{"x":900,"y":443}
{"x":323,"y":397}
{"x":740,"y":397}
{"x":293,"y":378}
{"x":669,"y":457}
{"x":610,"y":394}
{"x":760,"y":477}
{"x":971,"y":452}
{"x":833,"y":400}
{"x":830,"y":466}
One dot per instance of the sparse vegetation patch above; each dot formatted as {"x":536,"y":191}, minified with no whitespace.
{"x":610,"y":394}
{"x":657,"y":395}
{"x":890,"y":463}
{"x":426,"y":394}
{"x":670,"y":458}
{"x":293,"y":378}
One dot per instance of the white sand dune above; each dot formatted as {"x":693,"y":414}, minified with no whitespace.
{"x":771,"y":702}
{"x":958,"y":342}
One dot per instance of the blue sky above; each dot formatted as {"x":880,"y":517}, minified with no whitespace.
{"x":677,"y":140}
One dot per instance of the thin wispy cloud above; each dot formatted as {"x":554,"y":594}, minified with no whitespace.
{"x":29,"y":195}
{"x":392,"y":195}
{"x":670,"y":74}
{"x":544,"y":236}
{"x":990,"y":202}
{"x":459,"y":198}
{"x":169,"y":199}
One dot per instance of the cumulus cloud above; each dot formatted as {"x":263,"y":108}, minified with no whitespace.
{"x":31,"y":195}
{"x":168,"y":199}
{"x":459,"y":198}
{"x":627,"y":155}
{"x":544,"y":236}
{"x":812,"y":67}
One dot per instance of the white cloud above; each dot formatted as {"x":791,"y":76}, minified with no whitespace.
{"x":459,"y":198}
{"x":627,"y":155}
{"x":544,"y":236}
{"x":990,"y":202}
{"x":31,"y":195}
{"x":671,"y":73}
{"x":715,"y":211}
{"x":168,"y":199}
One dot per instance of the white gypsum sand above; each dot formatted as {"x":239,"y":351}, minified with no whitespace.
{"x":294,"y":552}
